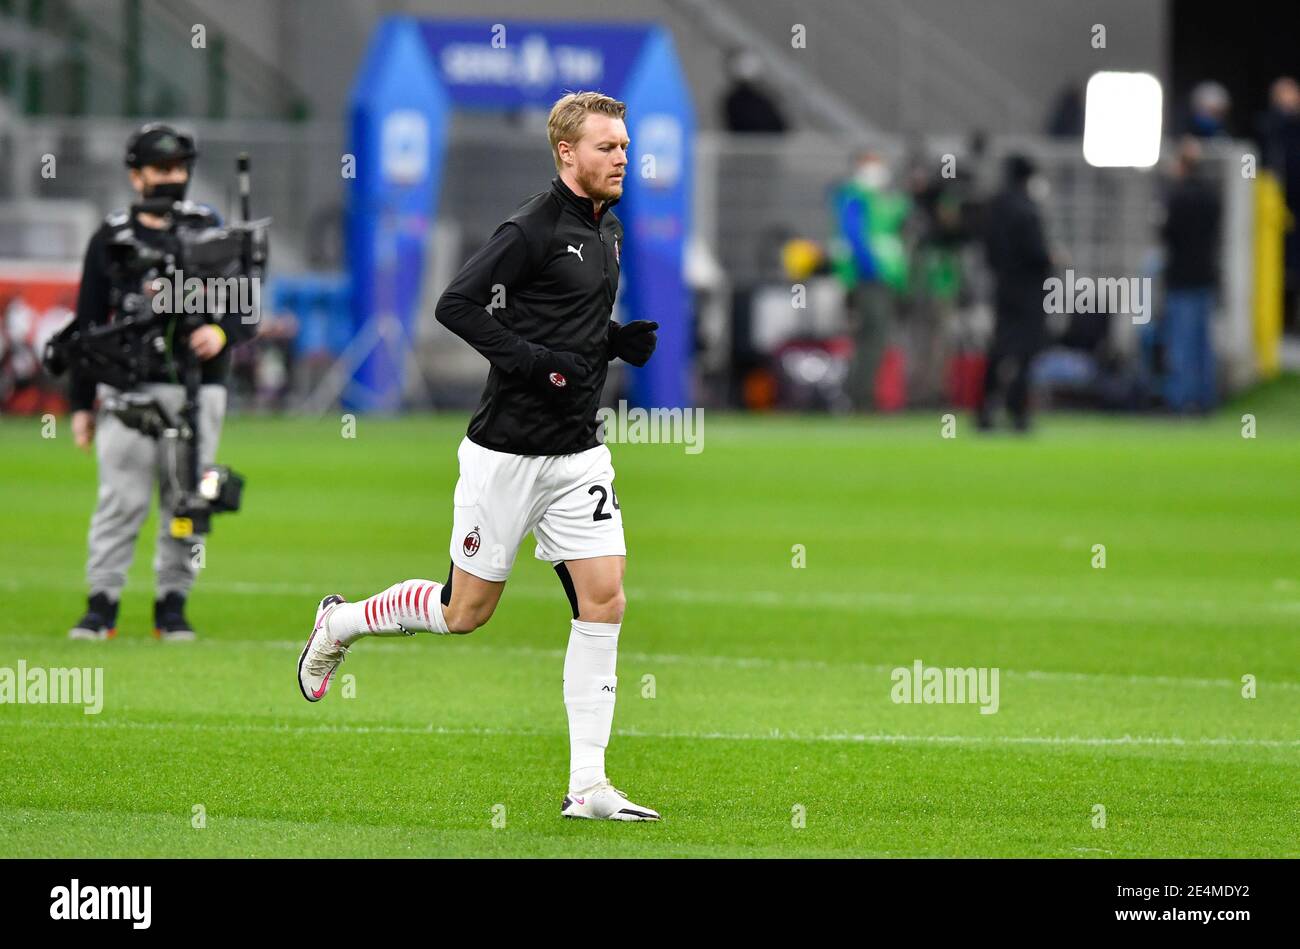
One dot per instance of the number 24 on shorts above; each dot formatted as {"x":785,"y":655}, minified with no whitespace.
{"x":600,"y":513}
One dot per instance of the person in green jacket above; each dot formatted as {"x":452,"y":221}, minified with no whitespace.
{"x":870,"y":259}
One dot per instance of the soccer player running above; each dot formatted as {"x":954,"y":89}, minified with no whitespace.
{"x":536,"y":301}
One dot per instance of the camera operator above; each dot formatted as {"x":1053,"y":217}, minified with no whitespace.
{"x":160,"y":161}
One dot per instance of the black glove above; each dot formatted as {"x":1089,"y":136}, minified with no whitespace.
{"x":634,"y":342}
{"x":556,"y":373}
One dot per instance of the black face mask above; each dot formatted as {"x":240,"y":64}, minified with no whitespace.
{"x":175,"y":190}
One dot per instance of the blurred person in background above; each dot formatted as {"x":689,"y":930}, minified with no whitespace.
{"x":938,"y":230}
{"x":1279,"y":139}
{"x":1210,"y":106}
{"x":965,"y":370}
{"x":746,"y":105}
{"x":750,"y":111}
{"x":870,"y":259}
{"x":1018,"y":255}
{"x":1190,"y":233}
{"x":1066,"y":118}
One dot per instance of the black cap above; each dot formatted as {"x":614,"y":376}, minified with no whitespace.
{"x":156,"y":143}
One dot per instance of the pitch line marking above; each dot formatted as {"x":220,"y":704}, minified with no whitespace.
{"x":927,"y":602}
{"x":736,"y":662}
{"x":773,"y":735}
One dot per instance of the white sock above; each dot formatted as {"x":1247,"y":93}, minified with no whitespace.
{"x":589,"y":694}
{"x":404,"y":607}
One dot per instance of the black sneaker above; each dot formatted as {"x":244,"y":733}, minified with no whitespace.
{"x":169,"y":620}
{"x":100,"y":621}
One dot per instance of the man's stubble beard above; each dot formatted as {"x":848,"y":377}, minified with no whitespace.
{"x":594,"y":183}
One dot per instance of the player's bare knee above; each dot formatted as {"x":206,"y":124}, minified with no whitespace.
{"x":464,"y":618}
{"x":460,"y":622}
{"x":604,"y":607}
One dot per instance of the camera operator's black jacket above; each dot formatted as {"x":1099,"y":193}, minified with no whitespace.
{"x":558,"y":261}
{"x":97,"y":298}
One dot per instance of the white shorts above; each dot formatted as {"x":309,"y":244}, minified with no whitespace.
{"x":567,"y":501}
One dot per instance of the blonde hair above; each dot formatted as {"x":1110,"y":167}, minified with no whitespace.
{"x":568,"y":114}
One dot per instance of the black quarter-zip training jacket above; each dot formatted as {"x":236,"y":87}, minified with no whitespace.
{"x":553,"y":269}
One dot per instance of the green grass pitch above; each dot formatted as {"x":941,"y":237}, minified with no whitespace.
{"x":771,"y":730}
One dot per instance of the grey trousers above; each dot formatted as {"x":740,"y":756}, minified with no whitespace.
{"x":130,"y":464}
{"x":871,"y":318}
